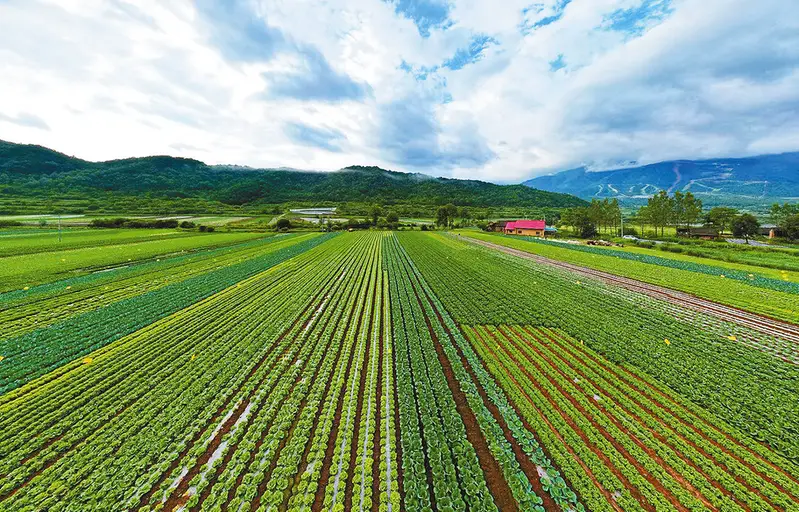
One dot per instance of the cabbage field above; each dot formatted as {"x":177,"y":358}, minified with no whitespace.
{"x":385,"y":372}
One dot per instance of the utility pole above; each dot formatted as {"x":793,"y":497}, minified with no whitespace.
{"x":59,"y":228}
{"x":621,"y":218}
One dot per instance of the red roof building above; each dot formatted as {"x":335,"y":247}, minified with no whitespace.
{"x":526,"y":228}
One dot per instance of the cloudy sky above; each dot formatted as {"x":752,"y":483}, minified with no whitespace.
{"x":500,"y":90}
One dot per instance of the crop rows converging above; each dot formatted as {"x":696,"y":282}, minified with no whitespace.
{"x":383,"y":372}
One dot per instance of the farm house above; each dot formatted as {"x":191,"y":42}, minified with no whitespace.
{"x":526,"y":228}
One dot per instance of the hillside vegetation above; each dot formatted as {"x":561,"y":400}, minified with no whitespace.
{"x":34,"y":172}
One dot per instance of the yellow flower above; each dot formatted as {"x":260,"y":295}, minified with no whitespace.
{"x":27,"y":288}
{"x":667,"y":341}
{"x":1,"y":358}
{"x":88,"y":360}
{"x":63,"y":259}
{"x":722,"y":275}
{"x":69,"y":287}
{"x":732,"y":337}
{"x":193,"y":357}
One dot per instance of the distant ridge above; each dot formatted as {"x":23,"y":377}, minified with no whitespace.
{"x":760,"y":179}
{"x":35,"y":171}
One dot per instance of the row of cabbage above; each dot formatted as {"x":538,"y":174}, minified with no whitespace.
{"x":17,"y":272}
{"x":617,"y":441}
{"x":36,"y":353}
{"x":751,"y":390}
{"x":766,"y":301}
{"x":37,"y":308}
{"x":106,"y":428}
{"x":107,"y":277}
{"x":32,"y":242}
{"x":221,"y":404}
{"x":750,"y":278}
{"x":443,"y":328}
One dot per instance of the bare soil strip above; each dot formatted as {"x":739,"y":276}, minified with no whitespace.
{"x":766,"y":325}
{"x":648,"y":391}
{"x":497,"y":485}
{"x":608,"y":495}
{"x":534,"y":381}
{"x":639,"y":442}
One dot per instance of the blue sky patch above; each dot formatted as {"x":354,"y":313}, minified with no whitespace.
{"x":557,"y":13}
{"x":470,"y":54}
{"x":426,"y":14}
{"x":636,"y":20}
{"x":557,"y":64}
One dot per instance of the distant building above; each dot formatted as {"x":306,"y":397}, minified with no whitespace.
{"x":314,"y":211}
{"x":497,"y":226}
{"x":771,"y":231}
{"x":705,"y":233}
{"x":526,"y":228}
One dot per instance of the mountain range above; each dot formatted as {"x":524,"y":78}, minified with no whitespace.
{"x":36,"y":173}
{"x":741,"y":181}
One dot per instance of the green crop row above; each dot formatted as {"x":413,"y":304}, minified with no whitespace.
{"x":657,"y":454}
{"x":34,"y":242}
{"x":35,"y":353}
{"x":64,"y":428}
{"x":753,"y":391}
{"x":38,"y":308}
{"x":716,"y":287}
{"x":18,"y":272}
{"x":446,"y":332}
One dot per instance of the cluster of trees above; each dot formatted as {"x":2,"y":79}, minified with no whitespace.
{"x":786,"y":217}
{"x":662,"y":210}
{"x":587,"y":220}
{"x":122,"y":222}
{"x":448,"y":214}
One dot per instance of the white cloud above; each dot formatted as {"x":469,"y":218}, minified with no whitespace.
{"x":113,"y":78}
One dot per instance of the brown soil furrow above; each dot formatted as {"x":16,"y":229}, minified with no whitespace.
{"x":608,"y":495}
{"x":533,"y":380}
{"x":176,"y":496}
{"x":563,"y":345}
{"x":495,"y":479}
{"x":624,"y":452}
{"x":639,"y":442}
{"x":319,"y":498}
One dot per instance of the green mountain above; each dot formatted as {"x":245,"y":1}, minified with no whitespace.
{"x":28,"y":171}
{"x":741,"y":181}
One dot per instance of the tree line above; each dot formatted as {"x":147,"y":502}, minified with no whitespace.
{"x":680,"y":210}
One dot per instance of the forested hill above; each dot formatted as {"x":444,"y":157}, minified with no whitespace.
{"x":27,"y":170}
{"x":761,"y":179}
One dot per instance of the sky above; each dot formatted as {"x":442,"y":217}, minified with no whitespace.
{"x":497,"y":90}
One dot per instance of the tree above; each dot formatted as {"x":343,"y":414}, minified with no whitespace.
{"x":283,"y":223}
{"x":745,"y":226}
{"x":584,"y":223}
{"x":375,"y":212}
{"x":687,"y":209}
{"x":781,"y":213}
{"x":721,"y":217}
{"x":661,"y":210}
{"x":442,"y":216}
{"x":791,"y":227}
{"x":392,"y":218}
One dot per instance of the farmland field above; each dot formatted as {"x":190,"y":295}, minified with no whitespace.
{"x":382,"y":372}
